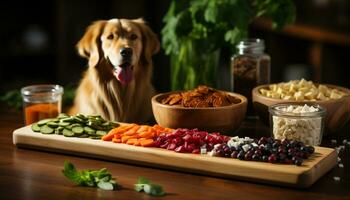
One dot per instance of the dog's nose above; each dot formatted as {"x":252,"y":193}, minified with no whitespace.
{"x":126,"y":52}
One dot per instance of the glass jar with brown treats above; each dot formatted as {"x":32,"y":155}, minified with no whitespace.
{"x":250,"y":67}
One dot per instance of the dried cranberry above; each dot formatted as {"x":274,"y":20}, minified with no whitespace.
{"x":180,"y":149}
{"x":272,"y":158}
{"x":171,"y":146}
{"x":196,"y":151}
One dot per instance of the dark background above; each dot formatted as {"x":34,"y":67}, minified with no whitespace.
{"x":37,"y":40}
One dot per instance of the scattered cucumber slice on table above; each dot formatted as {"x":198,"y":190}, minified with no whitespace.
{"x":90,"y":126}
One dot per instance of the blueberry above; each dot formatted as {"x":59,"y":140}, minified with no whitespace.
{"x":256,"y":157}
{"x":311,"y":150}
{"x":300,"y":144}
{"x":270,"y":140}
{"x":240,"y":155}
{"x":298,"y":162}
{"x":264,"y":158}
{"x":276,"y":144}
{"x":233,"y":149}
{"x":282,"y":157}
{"x":258,"y":152}
{"x":227,"y":150}
{"x":262,"y":141}
{"x":234,"y":154}
{"x":281,"y":150}
{"x":247,"y":156}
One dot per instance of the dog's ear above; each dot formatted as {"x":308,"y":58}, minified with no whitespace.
{"x":150,"y":42}
{"x":89,"y":45}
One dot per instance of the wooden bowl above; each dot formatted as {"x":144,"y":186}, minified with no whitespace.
{"x":337,"y":110}
{"x":221,"y":119}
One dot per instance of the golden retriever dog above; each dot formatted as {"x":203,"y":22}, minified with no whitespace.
{"x":117,"y":84}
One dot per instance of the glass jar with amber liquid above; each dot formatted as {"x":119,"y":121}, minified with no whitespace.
{"x":250,"y":67}
{"x":41,"y":102}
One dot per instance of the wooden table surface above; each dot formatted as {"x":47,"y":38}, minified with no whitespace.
{"x":30,"y":174}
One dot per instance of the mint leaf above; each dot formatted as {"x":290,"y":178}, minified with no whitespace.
{"x":142,"y":180}
{"x":105,"y":185}
{"x":138,"y":187}
{"x":145,"y":185}
{"x":92,"y":178}
{"x":156,"y":190}
{"x":71,"y":173}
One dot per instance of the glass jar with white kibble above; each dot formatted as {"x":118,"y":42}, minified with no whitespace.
{"x":297,"y":122}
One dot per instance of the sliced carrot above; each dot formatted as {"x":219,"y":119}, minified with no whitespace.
{"x":147,"y":143}
{"x":137,"y":143}
{"x":116,"y":140}
{"x":143,"y":128}
{"x":132,"y":131}
{"x":109,"y":136}
{"x":147,"y":135}
{"x":131,"y":141}
{"x":118,"y":136}
{"x":125,"y":138}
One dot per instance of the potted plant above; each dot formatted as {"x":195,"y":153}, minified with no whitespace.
{"x":196,"y":30}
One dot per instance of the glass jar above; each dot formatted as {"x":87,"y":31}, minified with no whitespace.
{"x":250,"y":67}
{"x":41,"y":102}
{"x":301,"y":122}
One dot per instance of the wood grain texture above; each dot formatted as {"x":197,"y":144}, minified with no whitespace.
{"x":288,"y":175}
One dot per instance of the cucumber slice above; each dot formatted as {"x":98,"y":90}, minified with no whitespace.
{"x":35,"y":128}
{"x":59,"y":130}
{"x":84,"y":136}
{"x":78,"y":130}
{"x":62,"y":115}
{"x":89,"y":130}
{"x":78,"y":119}
{"x":52,"y":124}
{"x":63,"y":123}
{"x":101,"y":133}
{"x":43,"y":122}
{"x":46,"y":129}
{"x":69,"y":119}
{"x":67,"y":133}
{"x":95,"y":137}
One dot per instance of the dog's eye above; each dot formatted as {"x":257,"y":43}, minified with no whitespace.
{"x":110,"y":37}
{"x":133,"y":36}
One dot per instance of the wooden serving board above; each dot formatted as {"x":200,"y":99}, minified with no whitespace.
{"x":303,"y":176}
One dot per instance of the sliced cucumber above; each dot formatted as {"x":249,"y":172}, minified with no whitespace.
{"x":35,"y":128}
{"x":46,"y":129}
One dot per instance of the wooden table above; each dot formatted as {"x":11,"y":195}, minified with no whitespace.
{"x":29,"y":174}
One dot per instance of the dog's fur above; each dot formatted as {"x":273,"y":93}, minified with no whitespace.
{"x":101,"y":91}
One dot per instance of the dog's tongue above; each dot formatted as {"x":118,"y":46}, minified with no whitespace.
{"x":124,"y":74}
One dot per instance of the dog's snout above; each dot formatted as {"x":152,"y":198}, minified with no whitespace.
{"x":126,"y":52}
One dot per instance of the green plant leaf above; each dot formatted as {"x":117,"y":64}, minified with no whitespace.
{"x":143,"y":180}
{"x":145,"y":185}
{"x":105,"y":185}
{"x":92,"y":178}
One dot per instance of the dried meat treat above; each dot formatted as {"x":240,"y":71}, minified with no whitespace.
{"x":201,"y":97}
